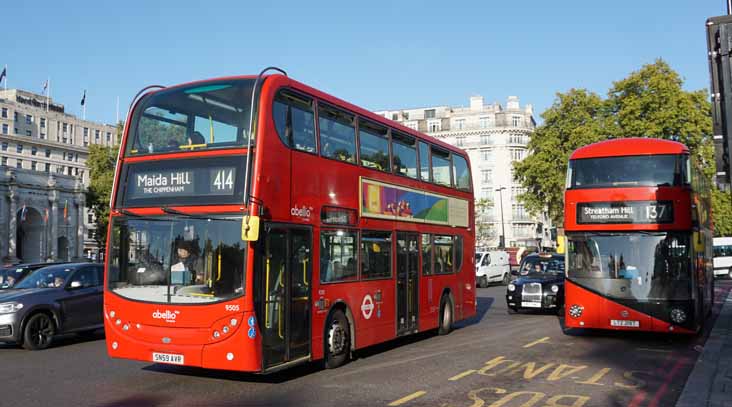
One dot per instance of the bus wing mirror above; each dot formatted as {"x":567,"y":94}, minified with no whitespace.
{"x":250,"y":228}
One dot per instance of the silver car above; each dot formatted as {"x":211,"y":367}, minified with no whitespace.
{"x":52,"y":300}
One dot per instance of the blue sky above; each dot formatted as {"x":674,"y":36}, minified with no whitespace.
{"x":376,"y":54}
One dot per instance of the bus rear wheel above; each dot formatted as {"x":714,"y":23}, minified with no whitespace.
{"x":445,"y":316}
{"x":337,"y":340}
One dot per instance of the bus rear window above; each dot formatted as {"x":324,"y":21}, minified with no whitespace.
{"x":628,"y":171}
{"x":203,"y":116}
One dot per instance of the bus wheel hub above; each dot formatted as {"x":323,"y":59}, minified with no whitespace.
{"x":336,"y":339}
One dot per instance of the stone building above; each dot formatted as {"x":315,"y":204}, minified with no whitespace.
{"x":494,"y":137}
{"x":43,"y":176}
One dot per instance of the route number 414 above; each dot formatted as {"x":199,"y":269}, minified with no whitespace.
{"x":224,"y":179}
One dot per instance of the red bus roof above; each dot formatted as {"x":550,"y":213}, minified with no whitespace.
{"x":332,"y":100}
{"x":629,"y":146}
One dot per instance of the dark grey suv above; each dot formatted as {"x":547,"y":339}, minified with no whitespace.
{"x":52,"y":300}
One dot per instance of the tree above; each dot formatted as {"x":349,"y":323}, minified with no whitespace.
{"x":101,"y":164}
{"x":652,"y":103}
{"x":575,"y":119}
{"x":483,"y":229}
{"x":722,"y":213}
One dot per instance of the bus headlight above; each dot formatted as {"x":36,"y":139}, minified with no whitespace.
{"x":511,"y":287}
{"x":678,"y":316}
{"x":575,"y":311}
{"x":555,"y":288}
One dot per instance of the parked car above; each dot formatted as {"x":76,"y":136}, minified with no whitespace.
{"x":492,"y":267}
{"x":52,"y":300}
{"x":11,"y":275}
{"x":722,"y":256}
{"x":539,"y":283}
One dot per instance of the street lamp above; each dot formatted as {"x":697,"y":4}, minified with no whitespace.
{"x":502,"y":240}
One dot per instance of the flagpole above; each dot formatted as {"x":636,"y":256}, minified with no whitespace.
{"x":6,"y":76}
{"x":48,"y":94}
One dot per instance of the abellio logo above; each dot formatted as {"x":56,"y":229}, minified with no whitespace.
{"x":168,"y":316}
{"x":303,"y":212}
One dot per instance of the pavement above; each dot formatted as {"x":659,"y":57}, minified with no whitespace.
{"x":710,"y":381}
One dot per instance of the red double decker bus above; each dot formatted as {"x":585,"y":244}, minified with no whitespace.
{"x":639,"y":238}
{"x":259,"y":223}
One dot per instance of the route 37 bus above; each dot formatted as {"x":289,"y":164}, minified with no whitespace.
{"x":639,"y":238}
{"x":302,"y":232}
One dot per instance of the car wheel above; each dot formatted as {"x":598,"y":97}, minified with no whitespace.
{"x":445,"y":316}
{"x":38,"y":332}
{"x":337,"y":340}
{"x":729,"y":274}
{"x":506,"y":279}
{"x":483,"y":281}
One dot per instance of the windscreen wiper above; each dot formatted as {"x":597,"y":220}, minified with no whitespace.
{"x":188,"y":215}
{"x":127,"y":213}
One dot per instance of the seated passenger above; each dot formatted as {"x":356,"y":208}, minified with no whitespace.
{"x":58,"y":282}
{"x":196,"y":139}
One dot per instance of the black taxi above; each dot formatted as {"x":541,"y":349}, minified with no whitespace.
{"x":538,"y":283}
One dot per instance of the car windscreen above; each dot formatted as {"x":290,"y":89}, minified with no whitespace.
{"x":46,"y":277}
{"x":542,"y":265}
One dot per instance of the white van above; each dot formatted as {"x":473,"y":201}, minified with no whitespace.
{"x":492,"y":267}
{"x":723,"y":256}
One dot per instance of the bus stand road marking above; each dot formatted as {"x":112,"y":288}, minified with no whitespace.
{"x":408,"y":398}
{"x":461,"y":375}
{"x":536,"y":342}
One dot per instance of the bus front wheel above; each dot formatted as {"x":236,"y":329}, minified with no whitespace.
{"x":338,"y":340}
{"x":445,"y":316}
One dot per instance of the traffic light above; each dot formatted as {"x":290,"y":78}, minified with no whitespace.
{"x":719,"y":45}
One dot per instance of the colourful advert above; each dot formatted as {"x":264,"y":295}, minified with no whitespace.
{"x":380,"y":200}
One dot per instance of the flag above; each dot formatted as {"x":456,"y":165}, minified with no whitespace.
{"x":45,"y":85}
{"x":3,"y":74}
{"x":83,"y":98}
{"x":66,"y":210}
{"x":45,"y":216}
{"x":23,"y":213}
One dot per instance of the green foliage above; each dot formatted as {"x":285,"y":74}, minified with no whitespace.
{"x":483,"y":230}
{"x":648,"y":103}
{"x":722,"y":212}
{"x":574,"y":120}
{"x":101,"y":164}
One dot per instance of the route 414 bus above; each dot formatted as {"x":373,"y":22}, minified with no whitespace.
{"x":259,"y":223}
{"x":639,"y":238}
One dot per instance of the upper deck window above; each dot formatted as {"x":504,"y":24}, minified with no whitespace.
{"x":295,"y":121}
{"x":628,"y":171}
{"x":202,"y":116}
{"x":461,"y":172}
{"x":440,"y":167}
{"x":404,"y":151}
{"x":337,"y":134}
{"x":374,"y":141}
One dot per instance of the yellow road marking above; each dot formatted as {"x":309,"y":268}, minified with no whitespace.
{"x":408,"y":398}
{"x":536,"y":342}
{"x":461,"y":375}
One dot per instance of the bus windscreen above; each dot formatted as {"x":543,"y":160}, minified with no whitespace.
{"x":198,"y":117}
{"x":177,"y":260}
{"x":628,"y":171}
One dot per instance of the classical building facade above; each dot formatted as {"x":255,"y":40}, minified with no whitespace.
{"x":494,"y":137}
{"x":43,"y":176}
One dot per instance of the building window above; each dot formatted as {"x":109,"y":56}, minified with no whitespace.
{"x":5,"y":146}
{"x":90,"y":234}
{"x":5,"y":161}
{"x":109,"y":137}
{"x":487,"y":193}
{"x":43,"y":136}
{"x":48,"y":153}
{"x":516,"y":121}
{"x":485,"y":139}
{"x":34,"y":150}
{"x":5,"y":113}
{"x":5,"y":129}
{"x":28,"y":119}
{"x":19,"y":163}
{"x":86,"y":133}
{"x":65,"y":127}
{"x":460,"y":124}
{"x":15,"y":130}
{"x":460,"y":141}
{"x":81,"y":173}
{"x":412,"y":125}
{"x":48,"y":167}
{"x":43,"y":122}
{"x":28,"y":133}
{"x":19,"y":149}
{"x":434,"y":126}
{"x":517,"y":154}
{"x":395,"y":116}
{"x":486,"y":176}
{"x":90,"y":217}
{"x":34,"y":165}
{"x":486,"y":155}
{"x":429,"y":114}
{"x":484,"y":122}
{"x":15,"y":116}
{"x":96,"y":135}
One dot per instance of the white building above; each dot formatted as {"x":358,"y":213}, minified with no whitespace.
{"x":494,"y":138}
{"x":43,"y":176}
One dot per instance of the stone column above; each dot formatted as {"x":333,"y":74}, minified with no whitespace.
{"x":79,"y":253}
{"x":13,"y":224}
{"x":53,"y":199}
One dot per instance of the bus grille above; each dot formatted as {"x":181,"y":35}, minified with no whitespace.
{"x":531,"y":292}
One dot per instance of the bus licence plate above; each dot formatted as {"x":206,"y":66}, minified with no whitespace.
{"x":530,"y":304}
{"x":167,"y":358}
{"x":623,"y":322}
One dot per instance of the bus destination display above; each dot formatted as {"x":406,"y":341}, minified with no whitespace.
{"x":190,"y":182}
{"x":625,"y":212}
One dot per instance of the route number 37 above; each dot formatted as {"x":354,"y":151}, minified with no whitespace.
{"x":224,"y":179}
{"x":655,"y":211}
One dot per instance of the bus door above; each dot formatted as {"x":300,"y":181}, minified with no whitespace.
{"x":284,"y":285}
{"x":407,"y":278}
